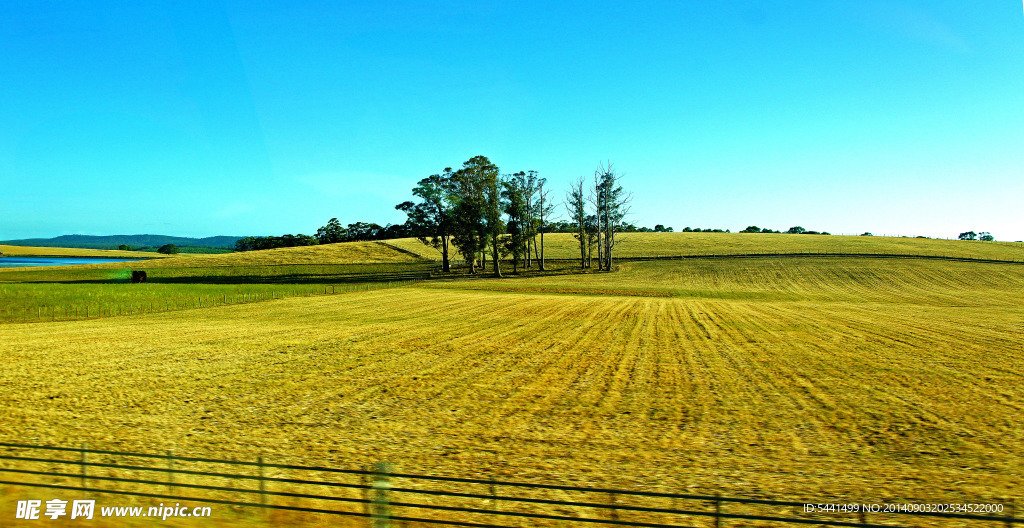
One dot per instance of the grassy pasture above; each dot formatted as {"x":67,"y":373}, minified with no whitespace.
{"x":817,"y":379}
{"x":564,"y":246}
{"x":341,"y":253}
{"x":194,"y":281}
{"x":27,"y":251}
{"x":65,"y":292}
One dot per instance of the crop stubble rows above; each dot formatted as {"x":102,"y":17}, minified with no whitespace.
{"x":867,"y":398}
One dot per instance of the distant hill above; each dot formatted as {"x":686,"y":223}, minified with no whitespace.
{"x":139,"y":242}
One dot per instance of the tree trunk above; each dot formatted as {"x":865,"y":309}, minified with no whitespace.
{"x":610,"y":239}
{"x":494,"y":256}
{"x":542,"y":251}
{"x":583,"y":249}
{"x":444,"y":255}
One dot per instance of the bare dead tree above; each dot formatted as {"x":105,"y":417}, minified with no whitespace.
{"x":576,"y":206}
{"x":544,"y":208}
{"x":613,"y":206}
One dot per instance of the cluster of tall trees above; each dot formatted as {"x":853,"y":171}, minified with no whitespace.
{"x":477,"y":210}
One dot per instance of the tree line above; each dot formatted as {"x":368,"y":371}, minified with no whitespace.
{"x":328,"y":234}
{"x":476,"y":211}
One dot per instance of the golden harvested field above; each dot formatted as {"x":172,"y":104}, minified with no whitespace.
{"x":812,"y":379}
{"x":820,"y":279}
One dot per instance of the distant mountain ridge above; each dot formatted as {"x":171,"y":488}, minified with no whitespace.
{"x":135,"y":241}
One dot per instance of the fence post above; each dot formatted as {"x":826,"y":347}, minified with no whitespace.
{"x":85,"y":460}
{"x":381,"y":485}
{"x":1010,"y":512}
{"x":263,"y":482}
{"x":170,"y":471}
{"x":718,"y":510}
{"x":613,"y":514}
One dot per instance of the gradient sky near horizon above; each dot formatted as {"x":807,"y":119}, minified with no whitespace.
{"x":262,"y":118}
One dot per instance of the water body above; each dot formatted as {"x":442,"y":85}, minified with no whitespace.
{"x":17,"y":262}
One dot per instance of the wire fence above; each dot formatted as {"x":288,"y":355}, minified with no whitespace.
{"x":12,"y":311}
{"x":630,"y":256}
{"x":383,"y":497}
{"x":70,"y":311}
{"x":825,"y":253}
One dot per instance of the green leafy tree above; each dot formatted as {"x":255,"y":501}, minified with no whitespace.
{"x":331,"y":233}
{"x":432,"y":220}
{"x":493,"y":209}
{"x":168,"y":249}
{"x":124,"y":247}
{"x":514,"y":201}
{"x":796,"y":230}
{"x":985,"y":236}
{"x":474,"y":186}
{"x":969,"y":235}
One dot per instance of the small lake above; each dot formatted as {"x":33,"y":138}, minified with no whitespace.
{"x":18,"y":262}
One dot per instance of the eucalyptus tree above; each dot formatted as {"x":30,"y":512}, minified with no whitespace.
{"x":515,"y":205}
{"x":477,"y":211}
{"x":492,"y":210}
{"x":331,"y":233}
{"x":432,"y":219}
{"x":529,"y":182}
{"x":469,"y":231}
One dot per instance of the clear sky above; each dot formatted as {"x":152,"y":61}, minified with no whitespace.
{"x":257,"y":118}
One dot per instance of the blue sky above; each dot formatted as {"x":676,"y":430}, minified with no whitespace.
{"x":249,"y":117}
